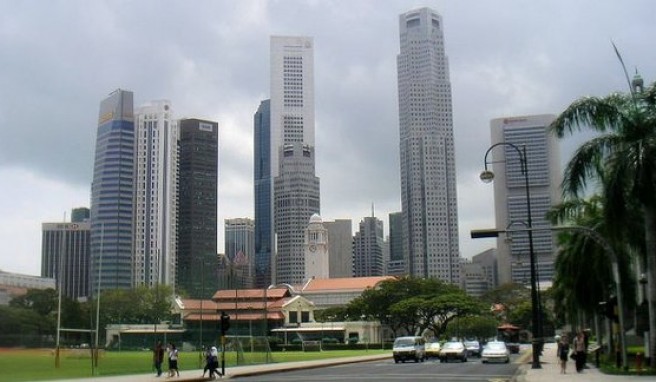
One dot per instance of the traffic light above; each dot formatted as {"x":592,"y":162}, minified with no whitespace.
{"x":609,"y":309}
{"x":225,"y":323}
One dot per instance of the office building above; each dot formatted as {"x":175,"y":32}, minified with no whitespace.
{"x":263,"y":188}
{"x":295,"y":185}
{"x":112,"y":193}
{"x":156,"y":195}
{"x":368,"y":248}
{"x":340,"y":248}
{"x":395,"y":263}
{"x":14,"y":285}
{"x":80,"y":214}
{"x":197,"y":263}
{"x":510,"y":204}
{"x":428,"y":177}
{"x":239,"y":250}
{"x":66,"y":257}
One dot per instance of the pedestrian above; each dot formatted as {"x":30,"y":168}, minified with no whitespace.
{"x":580,"y":351}
{"x":173,"y":360}
{"x":158,"y":357}
{"x":214,"y":362}
{"x":563,"y":353}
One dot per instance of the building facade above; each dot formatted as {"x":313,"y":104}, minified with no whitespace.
{"x":263,"y":188}
{"x":396,"y":264}
{"x":368,"y":248}
{"x":340,"y":247}
{"x":295,"y":186}
{"x":14,"y":285}
{"x":296,"y":192}
{"x":66,"y":257}
{"x":240,"y":250}
{"x":156,"y":194}
{"x":510,"y":204}
{"x":428,"y":177}
{"x":80,"y":214}
{"x":112,"y":193}
{"x":197,"y":262}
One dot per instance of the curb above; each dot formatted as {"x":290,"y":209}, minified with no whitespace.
{"x":285,"y":368}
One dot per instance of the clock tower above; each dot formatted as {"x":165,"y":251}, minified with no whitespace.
{"x":316,"y":249}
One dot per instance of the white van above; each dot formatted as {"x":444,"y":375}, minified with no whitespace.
{"x":409,"y":348}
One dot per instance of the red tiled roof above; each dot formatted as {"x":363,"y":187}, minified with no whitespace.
{"x":190,"y":304}
{"x":235,"y":317}
{"x":346,"y":283}
{"x":253,"y":294}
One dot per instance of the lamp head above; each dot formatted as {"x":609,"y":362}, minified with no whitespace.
{"x":487,"y":176}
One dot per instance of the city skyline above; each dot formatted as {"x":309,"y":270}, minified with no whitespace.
{"x":49,"y":104}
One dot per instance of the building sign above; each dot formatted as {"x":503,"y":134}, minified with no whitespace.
{"x":205,"y":126}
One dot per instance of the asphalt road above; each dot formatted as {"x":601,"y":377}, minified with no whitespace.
{"x":432,"y":370}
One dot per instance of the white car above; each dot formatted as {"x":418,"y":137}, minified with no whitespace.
{"x":495,"y":351}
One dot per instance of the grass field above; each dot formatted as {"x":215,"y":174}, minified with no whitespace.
{"x":39,"y":364}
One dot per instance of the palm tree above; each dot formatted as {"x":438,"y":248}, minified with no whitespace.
{"x":577,"y":291}
{"x":623,"y":159}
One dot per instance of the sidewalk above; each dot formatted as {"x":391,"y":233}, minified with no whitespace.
{"x":550,"y":371}
{"x":239,"y":371}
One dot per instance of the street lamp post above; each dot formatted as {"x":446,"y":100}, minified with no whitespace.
{"x":487,"y":176}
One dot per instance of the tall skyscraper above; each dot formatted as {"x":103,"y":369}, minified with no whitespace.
{"x":340,"y":248}
{"x":396,"y":263}
{"x":156,"y":194}
{"x":544,"y":178}
{"x":112,"y":193}
{"x":368,"y":248}
{"x":295,"y":186}
{"x":197,"y":207}
{"x":80,"y":214}
{"x":65,"y":256}
{"x":239,"y":250}
{"x":263,"y":188}
{"x":428,"y":177}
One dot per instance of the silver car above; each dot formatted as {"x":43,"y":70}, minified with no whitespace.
{"x":409,"y":348}
{"x":495,"y":351}
{"x":453,"y":350}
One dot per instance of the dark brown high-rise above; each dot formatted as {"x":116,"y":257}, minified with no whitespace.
{"x":197,"y":208}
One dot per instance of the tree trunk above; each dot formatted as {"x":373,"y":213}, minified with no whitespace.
{"x":650,"y":239}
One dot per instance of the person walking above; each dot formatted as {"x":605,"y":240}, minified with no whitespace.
{"x":158,"y":357}
{"x":173,"y":360}
{"x":580,"y":351}
{"x":563,"y":353}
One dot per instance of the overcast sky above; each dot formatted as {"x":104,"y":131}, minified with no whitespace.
{"x":59,"y":59}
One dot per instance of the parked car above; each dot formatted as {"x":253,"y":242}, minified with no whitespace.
{"x":409,"y":348}
{"x":453,"y":350}
{"x":473,"y":348}
{"x":495,"y":351}
{"x":433,"y":349}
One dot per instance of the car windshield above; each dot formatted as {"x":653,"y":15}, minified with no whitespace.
{"x":452,"y":345}
{"x":496,"y":346}
{"x":471,"y":344}
{"x":403,"y":342}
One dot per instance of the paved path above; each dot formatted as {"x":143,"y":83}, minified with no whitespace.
{"x":550,"y":371}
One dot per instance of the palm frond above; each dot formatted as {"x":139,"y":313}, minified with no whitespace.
{"x":600,"y":114}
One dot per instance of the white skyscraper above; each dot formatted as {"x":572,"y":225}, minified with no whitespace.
{"x":156,"y":194}
{"x":428,"y":178}
{"x":543,"y":157}
{"x":295,"y":188}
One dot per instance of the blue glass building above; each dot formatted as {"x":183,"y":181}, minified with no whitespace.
{"x":263,"y":187}
{"x":112,"y":194}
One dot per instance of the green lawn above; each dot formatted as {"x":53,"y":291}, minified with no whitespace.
{"x":39,"y":365}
